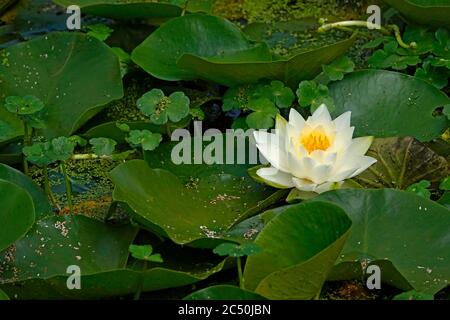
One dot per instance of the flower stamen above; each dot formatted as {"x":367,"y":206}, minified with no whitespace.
{"x":315,"y":140}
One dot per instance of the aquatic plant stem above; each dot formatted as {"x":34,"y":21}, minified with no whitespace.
{"x":137,"y":295}
{"x":168,"y":130}
{"x":399,"y":39}
{"x":89,"y":156}
{"x":352,"y":23}
{"x":387,"y":30}
{"x":68,"y":186}
{"x":317,"y":296}
{"x":185,"y":8}
{"x":26,"y":142}
{"x":48,"y":190}
{"x":241,"y":278}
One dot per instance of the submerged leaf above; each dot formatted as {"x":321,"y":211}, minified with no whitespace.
{"x":402,"y":162}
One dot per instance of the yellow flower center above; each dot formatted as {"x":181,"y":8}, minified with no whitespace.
{"x":315,"y":140}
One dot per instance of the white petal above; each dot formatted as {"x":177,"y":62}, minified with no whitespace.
{"x":321,"y":115}
{"x":309,"y":164}
{"x":296,"y":166}
{"x":296,"y":119}
{"x":364,"y":162}
{"x":359,"y":146}
{"x":327,"y":186}
{"x":343,"y":121}
{"x":343,"y":139}
{"x":280,"y":125}
{"x":304,"y":185}
{"x":308,"y":168}
{"x":301,"y":168}
{"x":272,"y":149}
{"x":343,"y":174}
{"x":323,"y":156}
{"x":276,"y":178}
{"x":321,"y":173}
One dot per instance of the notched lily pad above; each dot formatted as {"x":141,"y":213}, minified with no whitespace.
{"x":170,"y":55}
{"x":401,"y":163}
{"x":17,"y":213}
{"x":196,"y":34}
{"x":431,"y":12}
{"x":41,"y":204}
{"x":35,"y":267}
{"x":390,"y":104}
{"x":157,"y":11}
{"x":205,"y":207}
{"x":192,"y":201}
{"x":292,"y":70}
{"x":300,"y":245}
{"x":56,"y":68}
{"x":404,"y":234}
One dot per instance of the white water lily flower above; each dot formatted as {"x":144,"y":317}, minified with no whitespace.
{"x":313,"y":155}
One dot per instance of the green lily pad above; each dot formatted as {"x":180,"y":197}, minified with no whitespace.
{"x":300,"y":245}
{"x":42,"y":206}
{"x":236,"y":251}
{"x":224,"y":292}
{"x":292,"y":70}
{"x":402,"y":162}
{"x":55,"y":243}
{"x":56,"y":68}
{"x":10,"y":126}
{"x":17,"y":214}
{"x":430,"y":12}
{"x":37,"y":268}
{"x":413,"y":295}
{"x":197,"y":34}
{"x":3,"y":296}
{"x":405,"y":103}
{"x":247,"y":230}
{"x":134,"y":9}
{"x":210,"y":198}
{"x":205,"y":207}
{"x":405,"y":234}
